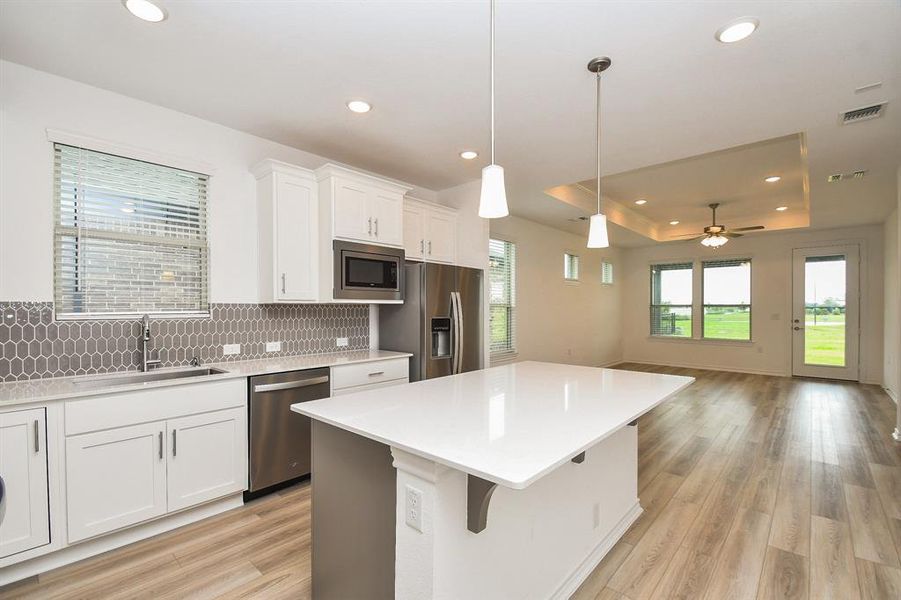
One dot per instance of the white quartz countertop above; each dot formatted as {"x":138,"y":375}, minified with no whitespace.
{"x":511,"y":424}
{"x":41,"y":390}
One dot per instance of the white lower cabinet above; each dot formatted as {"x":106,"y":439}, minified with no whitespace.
{"x":115,"y":478}
{"x":207,"y":458}
{"x":24,"y":506}
{"x":127,"y":475}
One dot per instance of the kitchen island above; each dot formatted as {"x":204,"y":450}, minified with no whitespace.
{"x":510,"y":482}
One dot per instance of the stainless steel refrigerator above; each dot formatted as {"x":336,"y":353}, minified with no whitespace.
{"x":440,"y":321}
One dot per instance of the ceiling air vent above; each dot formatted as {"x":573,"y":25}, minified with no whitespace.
{"x":835,"y":177}
{"x":863,"y":114}
{"x":859,"y":174}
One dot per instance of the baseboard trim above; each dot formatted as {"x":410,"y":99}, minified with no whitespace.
{"x":575,"y":579}
{"x":891,"y":394}
{"x":705,"y":367}
{"x":80,"y":551}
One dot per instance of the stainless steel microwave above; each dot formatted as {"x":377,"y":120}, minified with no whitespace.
{"x":365,"y":272}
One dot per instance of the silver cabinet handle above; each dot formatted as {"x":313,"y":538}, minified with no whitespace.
{"x":2,"y":491}
{"x":288,"y":385}
{"x":284,"y":283}
{"x":37,"y":437}
{"x":422,"y":246}
{"x":174,"y":442}
{"x":161,"y":445}
{"x":430,"y":247}
{"x":376,"y":227}
{"x":370,"y":225}
{"x":377,"y":373}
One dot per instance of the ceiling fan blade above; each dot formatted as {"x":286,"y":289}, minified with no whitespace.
{"x":752,"y":228}
{"x":687,"y":235}
{"x":682,"y":238}
{"x":730,"y":235}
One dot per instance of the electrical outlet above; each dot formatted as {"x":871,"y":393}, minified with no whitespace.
{"x":413,"y":508}
{"x":273,"y":346}
{"x":230,"y":349}
{"x":342,"y":342}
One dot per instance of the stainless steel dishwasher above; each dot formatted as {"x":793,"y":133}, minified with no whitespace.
{"x":280,"y":439}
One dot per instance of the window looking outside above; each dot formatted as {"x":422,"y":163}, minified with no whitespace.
{"x":130,"y":237}
{"x":671,"y":300}
{"x":570,"y":267}
{"x":502,"y":297}
{"x":727,"y":299}
{"x":606,"y":272}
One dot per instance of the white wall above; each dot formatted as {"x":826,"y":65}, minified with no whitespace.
{"x":32,"y":101}
{"x":771,"y":284}
{"x":892,"y":307}
{"x":559,"y":321}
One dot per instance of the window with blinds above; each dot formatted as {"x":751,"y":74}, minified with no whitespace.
{"x":727,"y":299}
{"x":570,"y":267}
{"x":130,"y":237}
{"x":502,"y":297}
{"x":671,"y":286}
{"x":606,"y":273}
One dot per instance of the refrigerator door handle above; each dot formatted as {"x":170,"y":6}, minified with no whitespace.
{"x":459,"y":333}
{"x":455,"y":333}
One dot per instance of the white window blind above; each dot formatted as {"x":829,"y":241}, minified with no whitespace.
{"x":502,"y":296}
{"x":130,"y":237}
{"x":570,"y":267}
{"x":606,"y":272}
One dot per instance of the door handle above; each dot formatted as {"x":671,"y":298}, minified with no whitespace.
{"x":459,"y":331}
{"x":422,"y":246}
{"x":796,"y":328}
{"x":289,"y":385}
{"x":174,"y":442}
{"x":284,"y":283}
{"x":161,"y":445}
{"x":2,"y":489}
{"x":376,"y":227}
{"x":430,"y":247}
{"x":37,"y":437}
{"x":370,"y":225}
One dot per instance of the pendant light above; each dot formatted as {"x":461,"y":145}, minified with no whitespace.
{"x":493,"y":199}
{"x":597,"y":227}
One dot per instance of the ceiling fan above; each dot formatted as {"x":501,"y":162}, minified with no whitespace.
{"x":715,"y":235}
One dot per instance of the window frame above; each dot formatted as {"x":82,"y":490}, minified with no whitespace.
{"x":577,"y":262}
{"x":690,"y":264}
{"x":200,"y":169}
{"x":510,"y":352}
{"x":604,"y":264}
{"x":703,"y":306}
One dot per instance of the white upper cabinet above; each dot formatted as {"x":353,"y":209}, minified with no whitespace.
{"x":359,"y":207}
{"x":24,"y":506}
{"x":288,"y":216}
{"x":430,"y":232}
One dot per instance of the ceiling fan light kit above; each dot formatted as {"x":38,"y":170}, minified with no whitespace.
{"x":597,"y":228}
{"x":493,"y":196}
{"x":715,"y":235}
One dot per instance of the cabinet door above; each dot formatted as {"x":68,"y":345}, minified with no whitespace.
{"x":388,"y":217}
{"x":207,"y":457}
{"x":296,"y":227}
{"x":351,"y":211}
{"x":24,"y":507}
{"x":414,"y":231}
{"x":441,"y":237}
{"x":115,"y":478}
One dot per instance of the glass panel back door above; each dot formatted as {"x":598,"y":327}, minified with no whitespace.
{"x":825,"y":312}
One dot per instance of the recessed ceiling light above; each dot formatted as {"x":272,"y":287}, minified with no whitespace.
{"x":772,"y":179}
{"x":641,"y":201}
{"x":469,"y":154}
{"x":359,"y":106}
{"x":781,"y":208}
{"x":737,"y":30}
{"x":146,"y":10}
{"x":674,"y":222}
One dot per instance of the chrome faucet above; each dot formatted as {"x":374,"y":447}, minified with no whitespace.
{"x":145,"y":339}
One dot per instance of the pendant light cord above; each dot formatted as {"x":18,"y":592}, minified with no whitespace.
{"x":492,"y":82}
{"x":599,"y":141}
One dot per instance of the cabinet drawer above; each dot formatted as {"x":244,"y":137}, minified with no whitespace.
{"x":373,"y":386}
{"x":345,"y":376}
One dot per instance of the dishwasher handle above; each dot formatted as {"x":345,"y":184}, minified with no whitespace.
{"x":289,"y":385}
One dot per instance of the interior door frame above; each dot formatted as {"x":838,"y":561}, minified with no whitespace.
{"x":851,"y":370}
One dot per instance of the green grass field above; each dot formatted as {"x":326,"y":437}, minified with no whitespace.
{"x":824,"y":342}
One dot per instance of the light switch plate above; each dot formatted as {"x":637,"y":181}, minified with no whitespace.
{"x":413,"y":507}
{"x":273,"y":346}
{"x":230,"y":349}
{"x":342,"y":342}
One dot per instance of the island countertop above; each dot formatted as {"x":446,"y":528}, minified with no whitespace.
{"x":510,"y":425}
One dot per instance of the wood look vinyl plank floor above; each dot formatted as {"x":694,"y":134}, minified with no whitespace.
{"x":753,"y":487}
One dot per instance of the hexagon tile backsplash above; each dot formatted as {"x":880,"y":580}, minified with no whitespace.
{"x":33,"y":345}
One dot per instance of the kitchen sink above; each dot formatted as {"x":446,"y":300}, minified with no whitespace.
{"x":149,"y":377}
